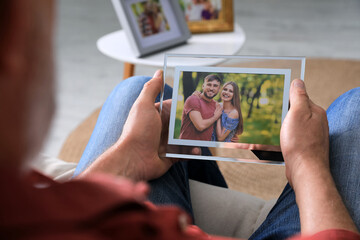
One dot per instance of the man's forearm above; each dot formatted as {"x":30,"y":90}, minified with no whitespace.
{"x":320,"y":204}
{"x":200,"y":123}
{"x":115,"y":161}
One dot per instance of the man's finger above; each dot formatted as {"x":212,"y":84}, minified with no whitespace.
{"x":165,"y":112}
{"x":298,"y":95}
{"x":166,"y":105}
{"x":153,"y":87}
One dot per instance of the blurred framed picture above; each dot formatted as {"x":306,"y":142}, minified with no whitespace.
{"x":151,"y":25}
{"x":203,"y":16}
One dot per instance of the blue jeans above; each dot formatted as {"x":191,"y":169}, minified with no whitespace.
{"x":173,"y":188}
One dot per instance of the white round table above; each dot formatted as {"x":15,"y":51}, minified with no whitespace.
{"x":116,"y":45}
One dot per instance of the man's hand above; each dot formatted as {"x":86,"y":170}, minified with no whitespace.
{"x":304,"y":140}
{"x":140,"y":139}
{"x":136,"y":154}
{"x":304,"y":136}
{"x":196,"y":93}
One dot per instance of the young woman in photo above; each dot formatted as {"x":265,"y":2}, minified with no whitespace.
{"x":231,"y":121}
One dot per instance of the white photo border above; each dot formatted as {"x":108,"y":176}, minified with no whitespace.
{"x":179,"y":69}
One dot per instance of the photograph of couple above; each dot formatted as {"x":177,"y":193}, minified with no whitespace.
{"x":229,"y":107}
{"x":150,"y":17}
{"x":201,"y":10}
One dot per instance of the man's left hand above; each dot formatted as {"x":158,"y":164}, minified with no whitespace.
{"x":136,"y":154}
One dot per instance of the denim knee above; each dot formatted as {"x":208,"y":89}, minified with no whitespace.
{"x":136,"y":83}
{"x":344,"y":130}
{"x":344,"y":113}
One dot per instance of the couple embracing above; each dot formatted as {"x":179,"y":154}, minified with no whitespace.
{"x":205,"y":119}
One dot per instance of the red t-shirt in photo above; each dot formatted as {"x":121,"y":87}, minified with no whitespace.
{"x":206,"y":109}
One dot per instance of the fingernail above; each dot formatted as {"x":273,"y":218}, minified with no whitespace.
{"x":299,"y":84}
{"x":157,"y":74}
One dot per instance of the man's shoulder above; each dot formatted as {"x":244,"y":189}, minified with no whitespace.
{"x":192,"y":103}
{"x":193,"y":98}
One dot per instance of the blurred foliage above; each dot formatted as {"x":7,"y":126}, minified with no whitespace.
{"x":182,"y":5}
{"x":261,"y":97}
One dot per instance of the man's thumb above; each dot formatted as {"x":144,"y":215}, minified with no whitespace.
{"x":153,"y":87}
{"x":298,"y":94}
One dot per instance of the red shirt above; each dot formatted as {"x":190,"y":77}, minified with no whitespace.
{"x":100,"y":207}
{"x":206,"y":109}
{"x":332,"y":234}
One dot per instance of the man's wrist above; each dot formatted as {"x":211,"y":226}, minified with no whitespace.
{"x":308,"y":170}
{"x":112,"y":162}
{"x":122,"y":157}
{"x":320,"y":204}
{"x":306,"y":179}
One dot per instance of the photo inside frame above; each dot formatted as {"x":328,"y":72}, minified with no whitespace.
{"x":153,"y":21}
{"x":236,"y":112}
{"x":195,"y":11}
{"x":150,"y":17}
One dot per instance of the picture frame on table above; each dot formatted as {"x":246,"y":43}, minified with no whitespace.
{"x":206,"y":16}
{"x":152,"y":25}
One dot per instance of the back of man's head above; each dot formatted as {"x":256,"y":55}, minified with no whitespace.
{"x":213,"y":77}
{"x":4,"y":6}
{"x":26,"y":73}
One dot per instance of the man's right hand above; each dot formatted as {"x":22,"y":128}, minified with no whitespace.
{"x":304,"y":135}
{"x":304,"y":141}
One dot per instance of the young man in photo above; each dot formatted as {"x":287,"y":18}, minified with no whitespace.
{"x":200,"y":113}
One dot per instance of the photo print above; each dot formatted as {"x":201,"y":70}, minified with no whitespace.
{"x":225,"y":107}
{"x":150,"y":17}
{"x":205,"y":16}
{"x":201,"y":10}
